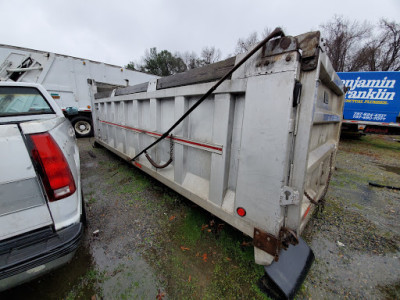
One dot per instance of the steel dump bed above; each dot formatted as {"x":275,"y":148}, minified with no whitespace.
{"x":256,"y":153}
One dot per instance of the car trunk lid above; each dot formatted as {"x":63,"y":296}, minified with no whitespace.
{"x":23,"y":206}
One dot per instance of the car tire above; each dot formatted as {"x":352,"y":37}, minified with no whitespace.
{"x":83,"y":126}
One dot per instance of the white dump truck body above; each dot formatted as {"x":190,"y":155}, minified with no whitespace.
{"x":68,"y":79}
{"x":254,"y":152}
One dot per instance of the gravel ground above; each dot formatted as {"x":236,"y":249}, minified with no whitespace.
{"x":356,"y":240}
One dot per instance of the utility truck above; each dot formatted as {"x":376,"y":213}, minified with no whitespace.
{"x":68,"y":79}
{"x":372,"y":102}
{"x":252,"y":139}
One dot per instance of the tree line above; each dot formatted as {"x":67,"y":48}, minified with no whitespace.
{"x":351,"y":46}
{"x":165,"y":63}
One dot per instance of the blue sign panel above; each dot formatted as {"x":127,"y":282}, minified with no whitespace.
{"x":371,"y":96}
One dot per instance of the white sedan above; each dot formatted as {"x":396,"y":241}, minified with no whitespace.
{"x":41,"y":207}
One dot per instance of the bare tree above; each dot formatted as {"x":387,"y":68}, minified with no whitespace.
{"x":365,"y":58}
{"x":344,"y":40}
{"x":390,"y":50}
{"x":245,"y":44}
{"x":210,"y":55}
{"x":381,"y":52}
{"x":191,"y":59}
{"x":265,"y":32}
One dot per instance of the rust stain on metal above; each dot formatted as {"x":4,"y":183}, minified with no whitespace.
{"x":272,"y":244}
{"x":287,"y":236}
{"x":308,"y":43}
{"x":279,"y":46}
{"x":285,"y":42}
{"x":270,"y":60}
{"x":266,"y":242}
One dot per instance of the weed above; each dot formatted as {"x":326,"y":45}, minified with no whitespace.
{"x":190,"y":231}
{"x":391,"y":291}
{"x":88,"y":282}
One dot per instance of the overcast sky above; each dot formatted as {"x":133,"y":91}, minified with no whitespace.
{"x":119,"y":31}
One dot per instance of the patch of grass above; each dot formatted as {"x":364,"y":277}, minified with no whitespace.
{"x":381,"y":143}
{"x":231,"y":281}
{"x":381,"y":148}
{"x":358,"y":206}
{"x":189,"y":232}
{"x":87,"y":284}
{"x":141,"y":183}
{"x":203,"y":262}
{"x":167,"y":199}
{"x":127,"y":180}
{"x":342,"y":179}
{"x":235,"y":244}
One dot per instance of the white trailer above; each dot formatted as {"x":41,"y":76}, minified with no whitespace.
{"x":258,"y":152}
{"x":68,"y":79}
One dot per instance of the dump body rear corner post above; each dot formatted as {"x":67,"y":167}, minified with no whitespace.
{"x":309,"y":81}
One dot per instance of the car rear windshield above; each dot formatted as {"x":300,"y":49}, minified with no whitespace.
{"x":18,"y":101}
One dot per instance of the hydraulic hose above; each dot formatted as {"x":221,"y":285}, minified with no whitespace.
{"x":276,"y":33}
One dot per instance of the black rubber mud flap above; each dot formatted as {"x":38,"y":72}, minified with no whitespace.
{"x":283,"y":278}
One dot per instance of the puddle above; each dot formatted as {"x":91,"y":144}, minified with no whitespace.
{"x":128,"y":277}
{"x":391,"y":169}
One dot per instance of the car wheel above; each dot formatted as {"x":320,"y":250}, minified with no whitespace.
{"x":83,"y":126}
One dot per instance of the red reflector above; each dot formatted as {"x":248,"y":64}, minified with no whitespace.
{"x":55,"y":172}
{"x":241,"y":211}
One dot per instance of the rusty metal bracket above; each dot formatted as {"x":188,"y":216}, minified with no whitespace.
{"x":279,"y":46}
{"x":309,"y":43}
{"x":272,"y":244}
{"x":288,"y":236}
{"x":266,"y":242}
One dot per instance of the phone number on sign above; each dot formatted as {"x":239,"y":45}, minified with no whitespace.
{"x":369,"y":116}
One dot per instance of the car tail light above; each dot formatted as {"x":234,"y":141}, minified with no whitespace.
{"x":54,"y":169}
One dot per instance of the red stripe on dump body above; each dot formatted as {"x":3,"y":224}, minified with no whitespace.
{"x":306,"y":213}
{"x":158,"y":134}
